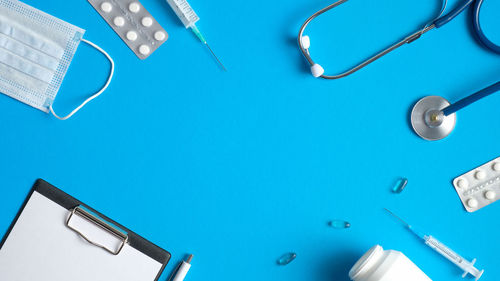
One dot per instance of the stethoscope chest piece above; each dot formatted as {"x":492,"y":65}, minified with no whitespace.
{"x":428,"y":120}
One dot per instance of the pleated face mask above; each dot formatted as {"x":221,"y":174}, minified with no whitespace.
{"x":36,"y":50}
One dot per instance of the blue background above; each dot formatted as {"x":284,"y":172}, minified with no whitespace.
{"x":242,"y":166}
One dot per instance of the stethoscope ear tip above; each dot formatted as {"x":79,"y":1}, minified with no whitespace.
{"x":305,"y":41}
{"x":317,"y":70}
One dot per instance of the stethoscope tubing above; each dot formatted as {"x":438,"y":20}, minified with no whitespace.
{"x":479,"y":31}
{"x":453,"y":13}
{"x":483,"y":40}
{"x":481,"y":37}
{"x":471,"y":99}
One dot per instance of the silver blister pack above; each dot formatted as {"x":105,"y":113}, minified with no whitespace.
{"x":479,"y":187}
{"x":133,"y":23}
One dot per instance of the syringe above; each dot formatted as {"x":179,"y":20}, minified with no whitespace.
{"x":466,"y":266}
{"x":189,"y":18}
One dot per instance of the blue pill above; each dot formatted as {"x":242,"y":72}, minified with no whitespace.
{"x":400,"y":185}
{"x":339,"y":224}
{"x":286,"y":258}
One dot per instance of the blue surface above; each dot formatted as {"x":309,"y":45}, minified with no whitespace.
{"x":241,"y":167}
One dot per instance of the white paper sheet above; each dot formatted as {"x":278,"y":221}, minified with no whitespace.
{"x":41,"y":247}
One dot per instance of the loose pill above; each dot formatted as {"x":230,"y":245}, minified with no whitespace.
{"x":463,"y":183}
{"x":147,"y":21}
{"x":119,"y":21}
{"x":339,"y":224}
{"x":480,"y":175}
{"x":134,"y":7}
{"x":106,"y":7}
{"x":159,"y":35}
{"x":132,"y":35}
{"x":496,"y":166}
{"x":286,"y":258}
{"x":400,"y":185}
{"x":490,"y":194}
{"x":472,"y":203}
{"x":144,"y":49}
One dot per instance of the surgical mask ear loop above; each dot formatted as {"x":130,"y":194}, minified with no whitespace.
{"x":97,"y":93}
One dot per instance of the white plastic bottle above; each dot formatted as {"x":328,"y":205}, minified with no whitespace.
{"x":388,"y":265}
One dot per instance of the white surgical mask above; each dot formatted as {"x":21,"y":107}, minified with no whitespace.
{"x":36,"y":50}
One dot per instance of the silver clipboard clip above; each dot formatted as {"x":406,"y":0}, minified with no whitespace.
{"x":93,"y":218}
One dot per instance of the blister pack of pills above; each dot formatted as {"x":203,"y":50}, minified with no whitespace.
{"x":479,"y":187}
{"x":133,"y":23}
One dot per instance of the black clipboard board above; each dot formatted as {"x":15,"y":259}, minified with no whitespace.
{"x":72,"y":205}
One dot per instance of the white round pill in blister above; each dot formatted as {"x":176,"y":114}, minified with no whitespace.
{"x":472,"y":203}
{"x":132,"y":35}
{"x":480,"y":175}
{"x":134,"y":7}
{"x":496,"y":166}
{"x":147,"y":21}
{"x":144,"y":49}
{"x":119,"y":21}
{"x":159,"y":35}
{"x":462,"y":183}
{"x":106,"y":7}
{"x":490,"y":194}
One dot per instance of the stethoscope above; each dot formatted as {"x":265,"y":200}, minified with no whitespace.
{"x":432,"y":117}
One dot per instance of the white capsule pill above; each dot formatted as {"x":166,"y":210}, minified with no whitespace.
{"x":131,"y":35}
{"x":159,"y":35}
{"x":472,"y":203}
{"x":119,"y":21}
{"x":147,"y":21}
{"x":144,"y":49}
{"x":134,"y":7}
{"x":106,"y":7}
{"x":462,"y":183}
{"x":490,"y":194}
{"x":480,"y":175}
{"x":496,"y":166}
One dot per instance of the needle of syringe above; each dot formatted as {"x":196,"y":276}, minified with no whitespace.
{"x":400,"y":219}
{"x":202,"y":39}
{"x":411,"y":228}
{"x":215,"y":56}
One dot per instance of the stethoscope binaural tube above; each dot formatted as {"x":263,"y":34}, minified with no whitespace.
{"x":318,"y":71}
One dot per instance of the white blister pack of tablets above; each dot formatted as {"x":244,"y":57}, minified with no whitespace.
{"x":479,"y":187}
{"x":133,"y":23}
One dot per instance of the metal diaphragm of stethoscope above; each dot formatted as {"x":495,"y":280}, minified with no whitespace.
{"x":432,"y":117}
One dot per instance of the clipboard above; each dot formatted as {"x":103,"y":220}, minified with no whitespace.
{"x":55,"y":237}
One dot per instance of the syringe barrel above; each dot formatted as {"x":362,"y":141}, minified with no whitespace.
{"x":184,"y":11}
{"x":443,"y":250}
{"x":448,"y":253}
